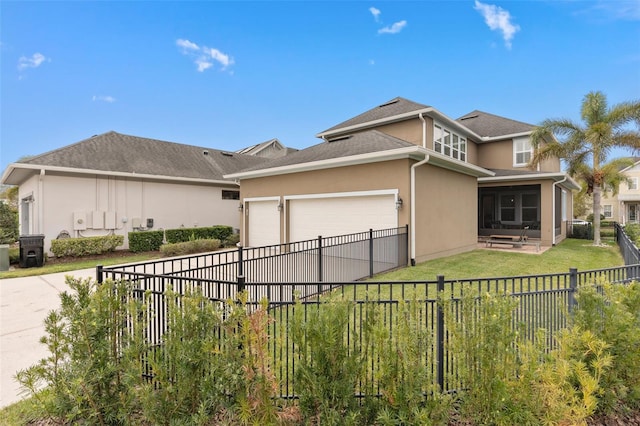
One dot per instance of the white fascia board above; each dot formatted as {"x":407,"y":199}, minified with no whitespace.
{"x":569,"y":183}
{"x":372,"y":157}
{"x":502,"y":137}
{"x":72,"y":170}
{"x":272,"y":198}
{"x":430,"y":111}
{"x":628,"y":197}
{"x":343,"y":194}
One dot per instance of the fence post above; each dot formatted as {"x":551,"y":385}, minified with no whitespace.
{"x":440,"y":343}
{"x":319,"y":261}
{"x":370,"y":253}
{"x":240,"y":261}
{"x":573,"y":285}
{"x":99,"y":277}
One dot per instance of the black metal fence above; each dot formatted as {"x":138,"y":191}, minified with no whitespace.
{"x":629,"y":250}
{"x":543,"y":301}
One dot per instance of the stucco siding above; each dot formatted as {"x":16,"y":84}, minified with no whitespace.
{"x":120,"y":203}
{"x":446,"y":213}
{"x":499,"y":155}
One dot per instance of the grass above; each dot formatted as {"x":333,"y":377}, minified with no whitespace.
{"x":570,"y":253}
{"x":65,"y":265}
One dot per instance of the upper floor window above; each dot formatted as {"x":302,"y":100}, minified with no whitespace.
{"x":449,"y":143}
{"x":522,"y":151}
{"x":633,"y":183}
{"x":607,"y":211}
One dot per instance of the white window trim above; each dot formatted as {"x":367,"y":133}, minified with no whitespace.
{"x":516,"y":152}
{"x":633,"y":183}
{"x":460,"y":153}
{"x":604,"y":211}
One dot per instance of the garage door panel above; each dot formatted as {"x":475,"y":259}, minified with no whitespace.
{"x":327,"y":217}
{"x":264,"y":223}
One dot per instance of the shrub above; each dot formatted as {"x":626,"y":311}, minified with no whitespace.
{"x":76,"y":247}
{"x":8,"y":224}
{"x":181,"y":235}
{"x":611,"y":314}
{"x":584,"y":232}
{"x":14,"y":255}
{"x":232,"y":240}
{"x":590,"y":217}
{"x":327,"y":372}
{"x":196,"y":246}
{"x":145,"y":241}
{"x":633,"y":232}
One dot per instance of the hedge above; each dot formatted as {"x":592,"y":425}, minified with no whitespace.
{"x":182,"y":235}
{"x":85,"y":246}
{"x":145,"y":241}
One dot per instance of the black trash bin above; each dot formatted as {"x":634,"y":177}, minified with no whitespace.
{"x":31,"y":251}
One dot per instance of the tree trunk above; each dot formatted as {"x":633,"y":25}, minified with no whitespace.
{"x":597,"y":190}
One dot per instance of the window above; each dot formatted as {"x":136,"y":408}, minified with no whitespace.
{"x":516,"y":208}
{"x":449,"y":143}
{"x":230,"y":195}
{"x":522,"y":151}
{"x":607,"y":211}
{"x":508,"y":208}
{"x":633,"y":183}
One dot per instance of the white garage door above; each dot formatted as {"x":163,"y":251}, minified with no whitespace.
{"x":312,"y":217}
{"x":264,"y":223}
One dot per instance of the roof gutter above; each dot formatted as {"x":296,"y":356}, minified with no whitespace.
{"x":557,"y":177}
{"x":412,"y":219}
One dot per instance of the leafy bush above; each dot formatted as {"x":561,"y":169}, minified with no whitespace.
{"x":76,"y":247}
{"x":8,"y":224}
{"x":633,"y":232}
{"x":196,"y":246}
{"x":612,"y":315}
{"x":327,"y":372}
{"x":583,"y":232}
{"x":182,"y":235}
{"x":14,"y":255}
{"x":590,"y":217}
{"x":145,"y":241}
{"x":232,"y":240}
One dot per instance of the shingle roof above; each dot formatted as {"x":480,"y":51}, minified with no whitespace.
{"x":356,"y":144}
{"x":388,"y":109}
{"x":115,"y":152}
{"x":489,"y":125}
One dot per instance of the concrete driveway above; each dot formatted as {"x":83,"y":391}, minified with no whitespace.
{"x":24,"y":304}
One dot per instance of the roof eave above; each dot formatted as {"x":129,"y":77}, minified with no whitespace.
{"x":36,"y":167}
{"x":563,"y":178}
{"x":430,"y":111}
{"x":416,"y":153}
{"x":502,"y":137}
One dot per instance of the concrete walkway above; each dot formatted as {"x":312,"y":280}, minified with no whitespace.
{"x":24,"y":304}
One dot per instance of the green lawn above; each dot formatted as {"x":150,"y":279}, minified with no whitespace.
{"x":570,"y":253}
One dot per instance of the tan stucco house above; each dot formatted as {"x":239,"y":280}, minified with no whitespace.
{"x":115,"y":183}
{"x":405,"y":163}
{"x":624,"y":207}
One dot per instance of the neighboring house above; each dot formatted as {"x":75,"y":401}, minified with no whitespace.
{"x":114,"y":183}
{"x":407,"y":163}
{"x":624,"y":207}
{"x":269,"y":149}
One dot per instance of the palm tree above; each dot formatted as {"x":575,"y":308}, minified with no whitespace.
{"x":584,"y":147}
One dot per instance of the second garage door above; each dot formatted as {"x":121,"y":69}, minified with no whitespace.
{"x":264,"y":223}
{"x":311,"y":217}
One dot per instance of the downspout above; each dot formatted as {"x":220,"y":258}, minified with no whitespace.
{"x":41,"y":203}
{"x":553,"y":205}
{"x":412,"y":219}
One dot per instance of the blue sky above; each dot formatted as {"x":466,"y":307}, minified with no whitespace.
{"x":227,"y":75}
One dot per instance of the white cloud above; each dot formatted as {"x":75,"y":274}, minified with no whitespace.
{"x":204,"y":57}
{"x":375,"y":12}
{"x":31,"y":62}
{"x":186,"y":44}
{"x":498,"y":19}
{"x":393,"y":29}
{"x":101,"y":98}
